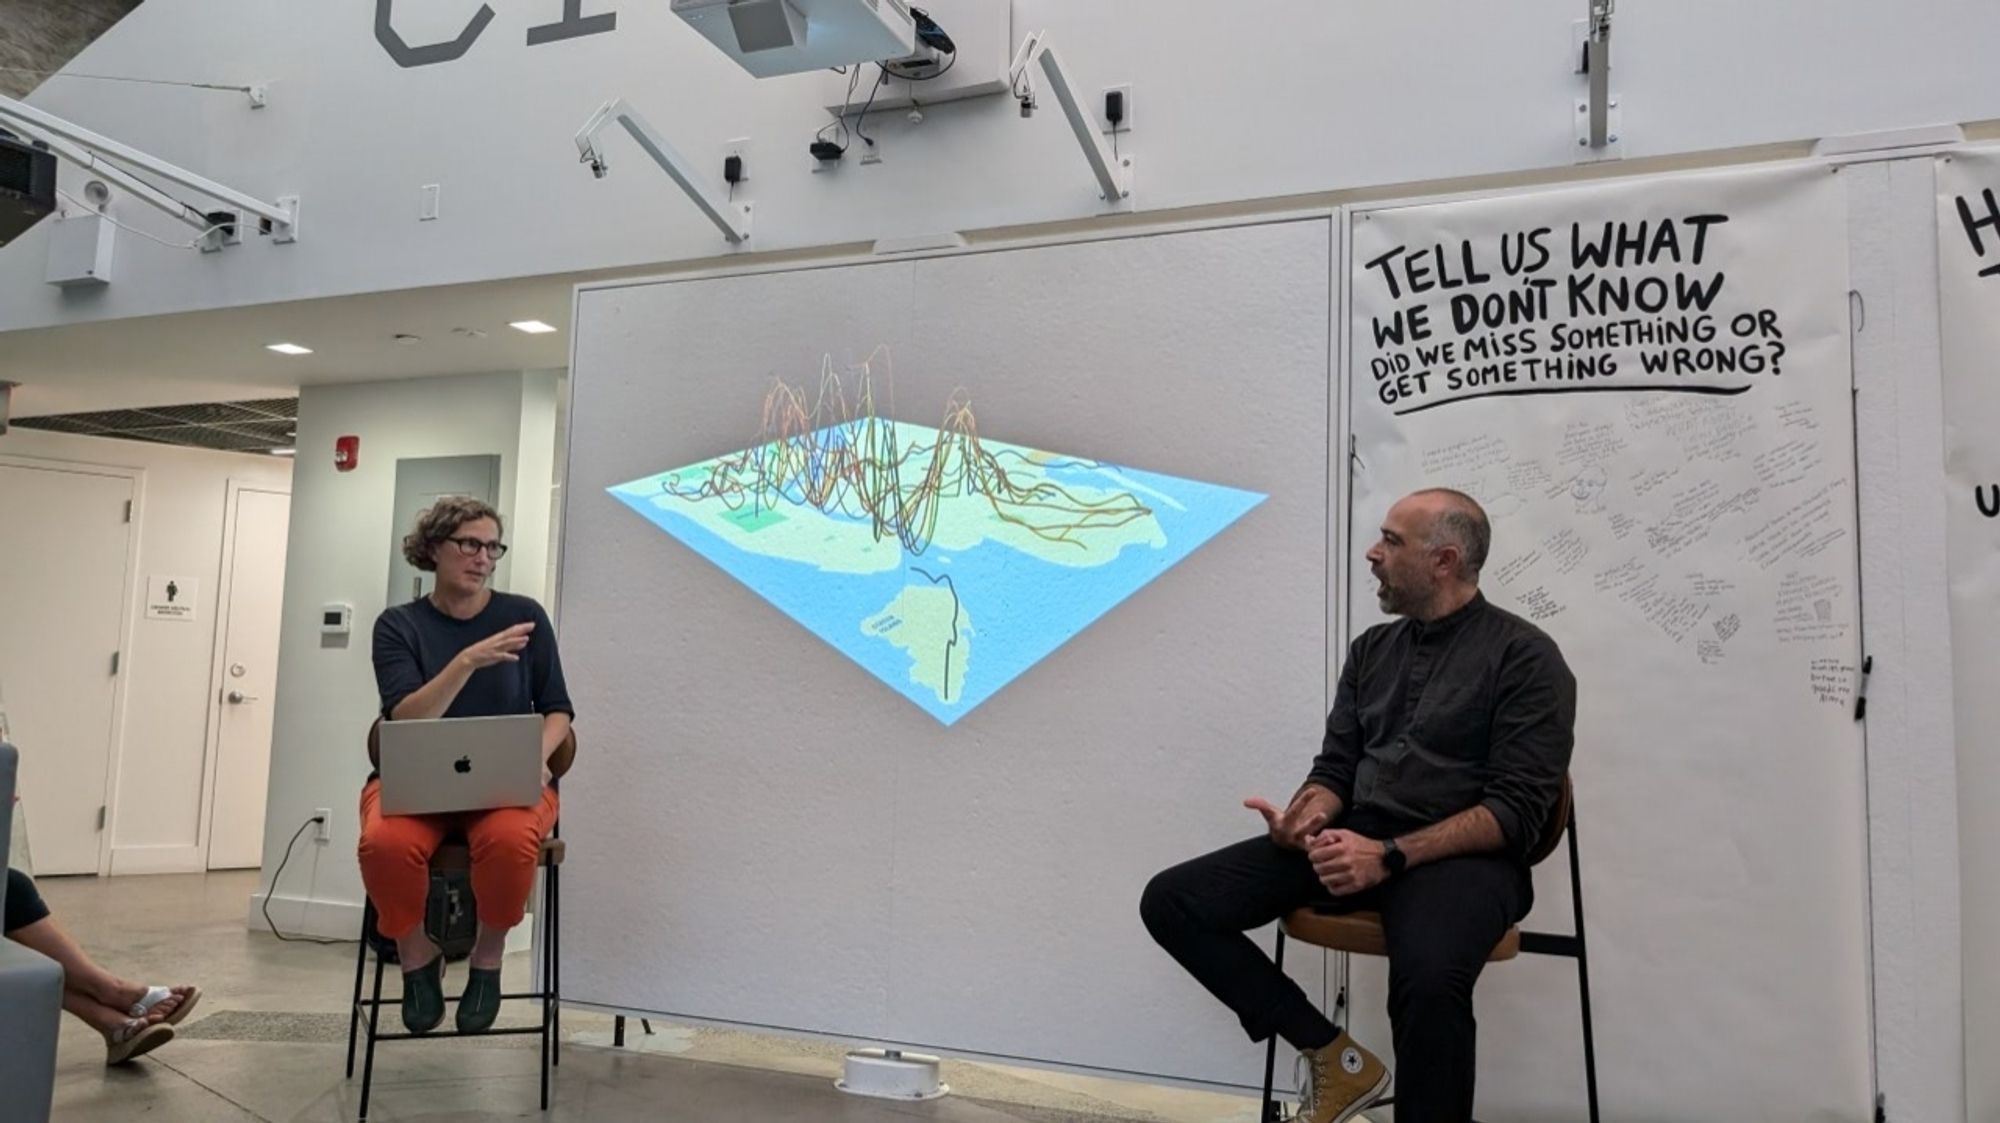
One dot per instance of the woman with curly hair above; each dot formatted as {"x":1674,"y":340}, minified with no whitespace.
{"x":462,"y":651}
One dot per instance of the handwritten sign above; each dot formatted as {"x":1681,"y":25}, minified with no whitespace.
{"x":1637,"y":299}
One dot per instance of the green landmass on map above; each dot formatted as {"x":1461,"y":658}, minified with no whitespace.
{"x":928,"y":622}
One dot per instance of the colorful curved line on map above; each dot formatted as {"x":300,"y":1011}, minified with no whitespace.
{"x":846,"y":459}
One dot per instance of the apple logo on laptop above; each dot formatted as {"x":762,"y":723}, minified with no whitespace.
{"x":462,"y":765}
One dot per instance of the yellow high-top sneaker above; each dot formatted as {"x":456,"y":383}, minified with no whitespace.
{"x":1340,"y":1081}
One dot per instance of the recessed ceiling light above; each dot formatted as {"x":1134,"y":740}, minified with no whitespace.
{"x":406,"y":339}
{"x":469,"y":333}
{"x":532,"y":327}
{"x":288,"y":349}
{"x":284,"y":452}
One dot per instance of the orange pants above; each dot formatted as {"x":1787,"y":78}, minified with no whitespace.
{"x":396,"y":850}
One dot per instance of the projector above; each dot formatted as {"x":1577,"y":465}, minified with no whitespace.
{"x":773,"y":37}
{"x":27,"y":186}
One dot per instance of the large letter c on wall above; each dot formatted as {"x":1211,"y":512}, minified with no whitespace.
{"x":407,"y":56}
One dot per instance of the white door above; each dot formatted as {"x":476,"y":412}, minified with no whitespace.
{"x":255,"y":584}
{"x":63,"y":555}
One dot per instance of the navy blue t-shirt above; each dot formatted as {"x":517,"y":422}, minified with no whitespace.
{"x":414,"y":643}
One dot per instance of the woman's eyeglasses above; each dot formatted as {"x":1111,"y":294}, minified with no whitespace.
{"x":470,"y":547}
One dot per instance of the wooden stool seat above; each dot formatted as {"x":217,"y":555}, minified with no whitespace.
{"x":1360,"y":933}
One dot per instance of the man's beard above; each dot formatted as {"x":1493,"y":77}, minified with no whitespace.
{"x":1396,"y":600}
{"x":1387,"y":596}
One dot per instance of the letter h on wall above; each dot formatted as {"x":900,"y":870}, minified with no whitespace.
{"x":1973,"y":224}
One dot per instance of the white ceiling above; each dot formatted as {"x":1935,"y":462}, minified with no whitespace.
{"x":220,"y":355}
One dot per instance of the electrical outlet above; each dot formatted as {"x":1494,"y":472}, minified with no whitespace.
{"x":740,"y":148}
{"x":322,"y":830}
{"x":1103,"y":122}
{"x":427,"y":205}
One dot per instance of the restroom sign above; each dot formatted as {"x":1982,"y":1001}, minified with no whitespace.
{"x":170,"y":598}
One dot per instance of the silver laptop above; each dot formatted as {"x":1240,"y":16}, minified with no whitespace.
{"x":461,"y":764}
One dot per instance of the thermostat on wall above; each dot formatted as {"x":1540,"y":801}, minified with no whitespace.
{"x":336,"y":619}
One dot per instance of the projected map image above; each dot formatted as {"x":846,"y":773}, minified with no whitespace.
{"x":945,"y":564}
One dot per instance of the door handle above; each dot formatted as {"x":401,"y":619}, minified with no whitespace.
{"x":237,"y":697}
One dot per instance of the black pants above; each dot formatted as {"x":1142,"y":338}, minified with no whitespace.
{"x":24,"y":902}
{"x":1441,"y":921}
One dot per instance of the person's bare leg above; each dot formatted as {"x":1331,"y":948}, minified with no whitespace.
{"x":414,"y":950}
{"x":82,"y":976}
{"x":489,"y":948}
{"x":124,"y":1037}
{"x":104,"y":1019}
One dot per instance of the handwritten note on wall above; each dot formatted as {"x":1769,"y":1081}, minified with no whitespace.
{"x":1626,"y":303}
{"x":1650,"y":397}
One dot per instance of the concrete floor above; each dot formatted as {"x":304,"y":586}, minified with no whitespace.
{"x":268,"y":1043}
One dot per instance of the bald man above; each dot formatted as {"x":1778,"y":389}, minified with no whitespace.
{"x":1443,"y":757}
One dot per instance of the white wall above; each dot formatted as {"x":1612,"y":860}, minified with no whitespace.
{"x":1229,"y":102}
{"x":160,"y":751}
{"x":556,"y":492}
{"x":529,"y":515}
{"x":1913,"y":837}
{"x":342,"y":524}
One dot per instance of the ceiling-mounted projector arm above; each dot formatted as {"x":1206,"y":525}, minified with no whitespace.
{"x":95,"y":153}
{"x":733,"y":219}
{"x":146,"y":192}
{"x":1113,"y":173}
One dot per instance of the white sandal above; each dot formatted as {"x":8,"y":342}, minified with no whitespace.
{"x":135,"y":1038}
{"x":156,"y":995}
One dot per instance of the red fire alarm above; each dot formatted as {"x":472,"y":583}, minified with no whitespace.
{"x":346,"y":453}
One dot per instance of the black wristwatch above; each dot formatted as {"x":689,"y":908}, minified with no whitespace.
{"x":1393,"y":858}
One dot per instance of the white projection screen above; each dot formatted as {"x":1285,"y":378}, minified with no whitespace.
{"x":887,"y":715}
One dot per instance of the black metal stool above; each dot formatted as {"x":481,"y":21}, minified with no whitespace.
{"x":548,"y":920}
{"x":454,"y":855}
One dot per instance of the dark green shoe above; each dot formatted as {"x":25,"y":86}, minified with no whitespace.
{"x":423,"y":997}
{"x":481,"y":1003}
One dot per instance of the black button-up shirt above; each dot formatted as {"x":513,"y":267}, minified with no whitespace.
{"x":1474,"y":709}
